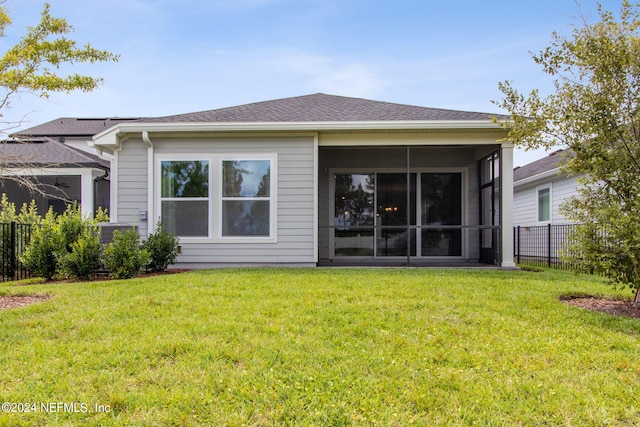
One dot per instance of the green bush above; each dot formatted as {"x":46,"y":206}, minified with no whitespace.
{"x":42,"y":255}
{"x":162,"y":247}
{"x":71,"y":225}
{"x":124,"y":257}
{"x":85,"y":257}
{"x":64,"y":245}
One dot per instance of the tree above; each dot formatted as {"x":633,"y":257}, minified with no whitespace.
{"x":34,"y":65}
{"x":594,"y":111}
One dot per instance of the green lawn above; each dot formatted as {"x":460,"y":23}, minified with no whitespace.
{"x":320,"y":347}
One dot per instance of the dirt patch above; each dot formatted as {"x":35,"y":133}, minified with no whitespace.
{"x":616,"y":307}
{"x":13,"y":301}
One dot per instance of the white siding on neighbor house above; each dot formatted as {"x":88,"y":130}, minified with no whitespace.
{"x":294,"y":193}
{"x":525,"y":200}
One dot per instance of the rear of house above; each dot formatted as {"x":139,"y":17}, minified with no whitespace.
{"x":318,"y":180}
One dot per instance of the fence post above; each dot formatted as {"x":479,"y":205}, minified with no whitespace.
{"x":12,"y":253}
{"x":519,"y":246}
{"x":549,"y":245}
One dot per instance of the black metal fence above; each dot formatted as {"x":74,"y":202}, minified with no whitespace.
{"x":14,"y":238}
{"x":542,"y":245}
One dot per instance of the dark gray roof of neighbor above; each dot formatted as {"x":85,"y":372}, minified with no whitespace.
{"x":320,"y":107}
{"x":43,"y":152}
{"x":546,"y":164}
{"x":72,"y":127}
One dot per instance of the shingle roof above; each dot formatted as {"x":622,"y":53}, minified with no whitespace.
{"x":71,"y":126}
{"x":546,"y":164}
{"x":320,"y":107}
{"x":44,"y":152}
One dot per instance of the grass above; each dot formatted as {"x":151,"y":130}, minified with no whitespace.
{"x":321,"y":347}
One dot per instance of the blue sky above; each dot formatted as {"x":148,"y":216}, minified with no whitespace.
{"x":192,"y":55}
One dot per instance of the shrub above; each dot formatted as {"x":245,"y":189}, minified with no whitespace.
{"x":85,"y":256}
{"x":41,"y":256}
{"x":71,"y":225}
{"x":123,"y":257}
{"x":162,"y":247}
{"x":67,"y":245}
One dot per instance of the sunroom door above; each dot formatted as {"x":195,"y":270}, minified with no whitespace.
{"x":373,"y":218}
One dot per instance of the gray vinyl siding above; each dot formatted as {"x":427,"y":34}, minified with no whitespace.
{"x":295,"y":243}
{"x":132,"y":184}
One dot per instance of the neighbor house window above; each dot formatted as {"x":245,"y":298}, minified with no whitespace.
{"x":184,"y":197}
{"x":544,"y":204}
{"x":246,"y":198}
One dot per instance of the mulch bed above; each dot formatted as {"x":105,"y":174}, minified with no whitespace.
{"x":13,"y":301}
{"x":615,"y":307}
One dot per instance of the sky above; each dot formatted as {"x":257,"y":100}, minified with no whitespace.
{"x":193,"y":55}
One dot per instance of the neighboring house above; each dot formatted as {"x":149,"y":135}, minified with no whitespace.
{"x":61,"y":163}
{"x":539,"y":188}
{"x":58,"y":174}
{"x":318,"y":180}
{"x":539,"y":191}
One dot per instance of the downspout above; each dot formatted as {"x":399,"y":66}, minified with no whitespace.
{"x":150,"y":190}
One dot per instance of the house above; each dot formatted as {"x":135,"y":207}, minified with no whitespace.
{"x":539,"y":189}
{"x":53,"y":174}
{"x":56,"y":157}
{"x":317,"y":180}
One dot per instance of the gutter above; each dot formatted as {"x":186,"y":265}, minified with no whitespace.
{"x":111,"y":137}
{"x":149,"y":215}
{"x":548,"y":174}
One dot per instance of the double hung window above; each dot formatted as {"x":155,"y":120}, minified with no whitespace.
{"x":184,"y":197}
{"x":218,"y":197}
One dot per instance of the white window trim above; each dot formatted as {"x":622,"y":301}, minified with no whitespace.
{"x":160,"y":199}
{"x":273,"y":220}
{"x":537,"y":201}
{"x":215,"y":195}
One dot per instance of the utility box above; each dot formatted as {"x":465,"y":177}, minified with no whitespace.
{"x":109,"y":227}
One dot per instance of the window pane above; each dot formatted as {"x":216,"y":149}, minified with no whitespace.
{"x":442,"y":242}
{"x":246,"y":178}
{"x":354,"y":242}
{"x":353,"y":199}
{"x":186,"y":218}
{"x":441,"y":198}
{"x":544,"y":206}
{"x":184,"y":178}
{"x":245,"y":218}
{"x":392,"y":198}
{"x":393,"y":242}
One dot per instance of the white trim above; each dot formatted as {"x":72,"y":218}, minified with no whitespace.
{"x":151,"y":217}
{"x":113,"y":184}
{"x":111,"y":137}
{"x":215,"y":194}
{"x":273,"y":199}
{"x":506,"y":207}
{"x":157,"y":198}
{"x":548,"y":174}
{"x":316,"y":206}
